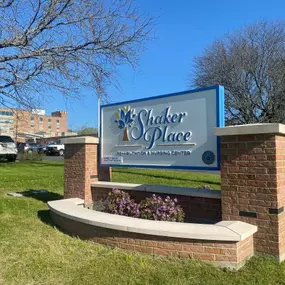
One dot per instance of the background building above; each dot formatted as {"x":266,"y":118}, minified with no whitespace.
{"x":22,"y":125}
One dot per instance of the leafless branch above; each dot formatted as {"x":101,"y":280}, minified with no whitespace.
{"x":66,"y":44}
{"x":250,"y":64}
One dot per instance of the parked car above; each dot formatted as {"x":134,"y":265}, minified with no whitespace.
{"x":56,"y":148}
{"x":28,"y":147}
{"x":8,"y":148}
{"x":42,"y":148}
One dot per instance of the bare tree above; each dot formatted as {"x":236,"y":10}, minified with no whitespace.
{"x":250,"y":64}
{"x":85,"y":130}
{"x":66,"y":44}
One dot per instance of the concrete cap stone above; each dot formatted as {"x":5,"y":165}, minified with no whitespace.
{"x":224,"y":231}
{"x":191,"y":192}
{"x":251,"y":129}
{"x":243,"y":229}
{"x":81,"y":140}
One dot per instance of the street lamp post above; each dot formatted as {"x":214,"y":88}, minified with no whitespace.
{"x":99,"y":116}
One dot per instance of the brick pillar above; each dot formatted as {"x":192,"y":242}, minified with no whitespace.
{"x":253,"y":182}
{"x":82,"y":167}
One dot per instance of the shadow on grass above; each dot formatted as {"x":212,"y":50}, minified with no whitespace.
{"x":2,"y":160}
{"x":44,"y":216}
{"x":42,"y":195}
{"x":38,"y":163}
{"x":45,"y":163}
{"x":169,"y":178}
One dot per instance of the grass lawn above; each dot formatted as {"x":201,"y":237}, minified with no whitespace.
{"x":32,"y":251}
{"x":166,"y":177}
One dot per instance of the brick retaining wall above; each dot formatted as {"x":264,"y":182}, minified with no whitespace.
{"x":225,"y":254}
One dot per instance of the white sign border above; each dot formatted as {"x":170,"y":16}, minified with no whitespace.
{"x":220,"y":122}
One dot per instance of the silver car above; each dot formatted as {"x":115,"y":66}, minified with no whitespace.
{"x":8,"y":148}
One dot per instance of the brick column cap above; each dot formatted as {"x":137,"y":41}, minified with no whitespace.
{"x":81,"y":140}
{"x":251,"y":129}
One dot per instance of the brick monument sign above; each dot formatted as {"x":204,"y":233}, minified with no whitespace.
{"x":226,"y":227}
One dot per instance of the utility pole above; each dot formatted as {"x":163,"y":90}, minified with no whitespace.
{"x":99,"y":115}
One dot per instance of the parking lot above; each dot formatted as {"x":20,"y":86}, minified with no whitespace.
{"x":50,"y":158}
{"x":53,"y":158}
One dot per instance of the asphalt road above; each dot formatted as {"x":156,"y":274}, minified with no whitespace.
{"x":53,"y":158}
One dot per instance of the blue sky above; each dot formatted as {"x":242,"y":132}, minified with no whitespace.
{"x":184,"y":29}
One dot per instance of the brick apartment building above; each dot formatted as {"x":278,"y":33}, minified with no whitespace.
{"x":24,"y":125}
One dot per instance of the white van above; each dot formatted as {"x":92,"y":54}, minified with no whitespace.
{"x":8,"y":148}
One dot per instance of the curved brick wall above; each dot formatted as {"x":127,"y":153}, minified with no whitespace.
{"x":224,"y":254}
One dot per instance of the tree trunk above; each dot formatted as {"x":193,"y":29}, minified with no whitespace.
{"x":125,"y":137}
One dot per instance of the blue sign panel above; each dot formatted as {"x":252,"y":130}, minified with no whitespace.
{"x":168,"y":131}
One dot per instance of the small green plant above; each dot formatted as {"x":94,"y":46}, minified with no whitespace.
{"x":99,"y":206}
{"x":34,"y":156}
{"x":207,"y":187}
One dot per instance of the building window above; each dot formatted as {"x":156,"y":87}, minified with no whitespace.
{"x":5,"y":113}
{"x":41,"y":124}
{"x":6,"y":127}
{"x":49,"y":124}
{"x":32,"y":121}
{"x":57,"y":125}
{"x":6,"y":122}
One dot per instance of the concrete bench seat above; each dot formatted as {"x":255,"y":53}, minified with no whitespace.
{"x":226,"y":244}
{"x":73,"y":209}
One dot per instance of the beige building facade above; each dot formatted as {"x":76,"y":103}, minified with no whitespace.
{"x":24,"y":125}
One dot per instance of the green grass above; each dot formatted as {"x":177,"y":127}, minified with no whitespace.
{"x":33,"y":251}
{"x":166,"y":177}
